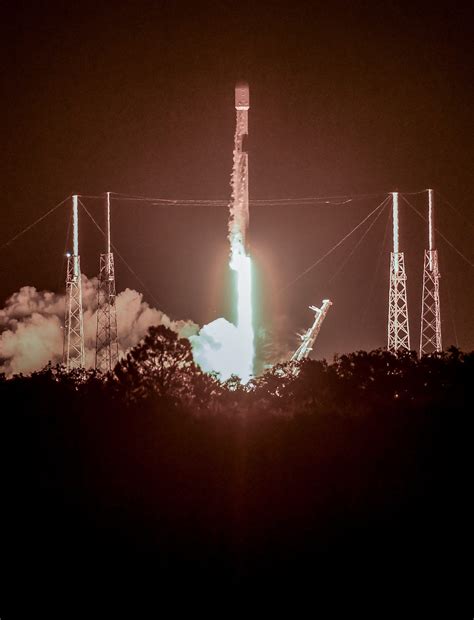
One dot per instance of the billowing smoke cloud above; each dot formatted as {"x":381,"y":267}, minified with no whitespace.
{"x":31,"y":326}
{"x":30,"y":330}
{"x":218,"y":348}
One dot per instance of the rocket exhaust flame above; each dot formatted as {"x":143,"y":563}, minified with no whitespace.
{"x":242,"y":265}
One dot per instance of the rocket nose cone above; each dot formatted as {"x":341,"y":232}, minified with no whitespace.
{"x":242,"y":98}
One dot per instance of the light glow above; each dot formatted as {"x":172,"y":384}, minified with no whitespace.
{"x":431,"y":231}
{"x":430,"y":218}
{"x":107,"y":215}
{"x":395,"y":230}
{"x":75,"y":235}
{"x":242,"y":265}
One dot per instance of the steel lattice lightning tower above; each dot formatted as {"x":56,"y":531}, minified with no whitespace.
{"x":398,"y":328}
{"x":73,"y":352}
{"x":106,"y":351}
{"x":430,"y":334}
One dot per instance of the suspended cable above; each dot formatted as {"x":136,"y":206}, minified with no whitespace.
{"x":334,"y":247}
{"x":66,"y":243}
{"x":346,"y":197}
{"x":421,"y":191}
{"x":301,"y":202}
{"x":308,"y":200}
{"x":157,"y":201}
{"x":225,"y":203}
{"x":452,"y":314}
{"x":169,"y":201}
{"x":30,"y":226}
{"x":461,"y":215}
{"x":440,"y":234}
{"x":114,"y":247}
{"x":336,"y":200}
{"x":369,"y":228}
{"x":222,"y":201}
{"x":92,"y":196}
{"x":377,"y":268}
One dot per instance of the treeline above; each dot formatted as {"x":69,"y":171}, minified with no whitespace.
{"x":319,"y":468}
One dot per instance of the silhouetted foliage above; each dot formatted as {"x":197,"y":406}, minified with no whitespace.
{"x":306,"y":469}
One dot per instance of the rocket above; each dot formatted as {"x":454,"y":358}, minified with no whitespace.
{"x":240,"y":191}
{"x":242,"y":105}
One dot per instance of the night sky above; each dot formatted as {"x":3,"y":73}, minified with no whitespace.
{"x":345,"y":99}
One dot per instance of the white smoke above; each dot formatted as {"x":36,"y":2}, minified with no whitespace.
{"x":218,"y":348}
{"x":31,"y":326}
{"x":29,"y":343}
{"x":30,"y":330}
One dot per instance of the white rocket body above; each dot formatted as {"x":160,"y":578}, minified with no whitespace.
{"x":240,"y":192}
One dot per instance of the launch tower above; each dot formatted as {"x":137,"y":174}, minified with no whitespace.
{"x":240,"y":189}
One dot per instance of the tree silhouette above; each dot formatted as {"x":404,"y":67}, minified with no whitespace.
{"x":161,"y":365}
{"x":361,"y":457}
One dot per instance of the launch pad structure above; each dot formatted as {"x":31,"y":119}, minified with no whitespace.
{"x":107,"y":351}
{"x":309,"y":337}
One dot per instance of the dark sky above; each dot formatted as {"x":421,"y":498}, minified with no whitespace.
{"x":345,"y":99}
